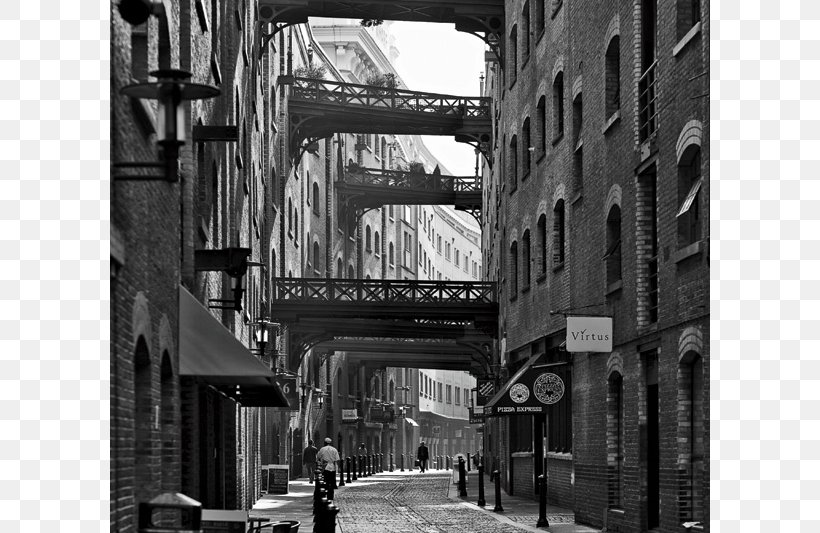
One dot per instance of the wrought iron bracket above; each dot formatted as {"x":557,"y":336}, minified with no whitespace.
{"x":495,"y":41}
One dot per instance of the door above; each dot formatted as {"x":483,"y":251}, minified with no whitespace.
{"x":652,"y":443}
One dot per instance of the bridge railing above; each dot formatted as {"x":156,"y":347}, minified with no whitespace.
{"x":324,"y":91}
{"x":356,"y":175}
{"x":383,"y":291}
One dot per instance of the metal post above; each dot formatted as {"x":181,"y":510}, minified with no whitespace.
{"x":355,"y":468}
{"x":462,"y":478}
{"x":317,"y":494}
{"x":391,"y":461}
{"x":468,"y":462}
{"x":497,"y":477}
{"x":481,"y":502}
{"x":332,"y":511}
{"x":402,"y":462}
{"x":542,"y":502}
{"x":341,"y":472}
{"x":348,"y":470}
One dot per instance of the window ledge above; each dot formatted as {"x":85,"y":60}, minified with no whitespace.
{"x":562,"y":456}
{"x":521,"y":454}
{"x":556,"y":9}
{"x":513,"y":297}
{"x":685,"y":39}
{"x":614,"y":287}
{"x":558,"y":266}
{"x":541,"y":157}
{"x":290,"y":234}
{"x":525,"y":290}
{"x":525,"y":176}
{"x":512,"y":82}
{"x":524,"y":63}
{"x":512,"y":190}
{"x":617,"y":510}
{"x":615,"y":117}
{"x":540,"y":36}
{"x":688,"y":251}
{"x":557,"y":138}
{"x":541,"y":278}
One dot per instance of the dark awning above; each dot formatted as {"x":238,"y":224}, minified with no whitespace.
{"x":529,"y":392}
{"x":210,"y":352}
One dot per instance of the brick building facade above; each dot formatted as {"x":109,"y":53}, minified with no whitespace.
{"x":596,"y":204}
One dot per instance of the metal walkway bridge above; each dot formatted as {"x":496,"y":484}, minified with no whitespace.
{"x":320,"y":108}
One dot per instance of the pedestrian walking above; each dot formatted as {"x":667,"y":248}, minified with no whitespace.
{"x":309,"y":459}
{"x":422,"y":455}
{"x":328,"y":457}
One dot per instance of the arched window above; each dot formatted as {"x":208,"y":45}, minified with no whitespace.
{"x":368,"y":244}
{"x":290,"y":215}
{"x":615,"y":439}
{"x":377,"y":243}
{"x":542,"y":245}
{"x":340,"y":273}
{"x":513,"y":55}
{"x":525,"y":147}
{"x":514,"y":163}
{"x":541,"y":118}
{"x":296,"y":226}
{"x":558,"y":106}
{"x":577,"y":118}
{"x":526,"y":271}
{"x":613,"y":245}
{"x":539,"y":17}
{"x":351,"y":274}
{"x":513,"y":269}
{"x":391,"y":254}
{"x":317,"y":266}
{"x":558,"y":234}
{"x":612,"y":69}
{"x":316,"y":210}
{"x":690,"y":182}
{"x":143,"y":432}
{"x":169,"y":424}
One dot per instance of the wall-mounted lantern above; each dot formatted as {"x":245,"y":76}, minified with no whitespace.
{"x":170,"y":90}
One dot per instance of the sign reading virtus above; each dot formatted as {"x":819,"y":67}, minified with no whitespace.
{"x":589,"y":334}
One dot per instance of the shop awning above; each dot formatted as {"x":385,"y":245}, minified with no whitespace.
{"x":208,"y":351}
{"x":529,"y":392}
{"x":412,"y":422}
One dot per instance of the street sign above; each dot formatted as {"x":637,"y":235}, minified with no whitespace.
{"x":485,"y":388}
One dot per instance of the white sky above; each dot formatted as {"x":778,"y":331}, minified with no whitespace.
{"x":437,"y":58}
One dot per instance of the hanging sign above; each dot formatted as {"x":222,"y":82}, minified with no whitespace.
{"x":350,"y":415}
{"x":288,"y":386}
{"x":589,"y":334}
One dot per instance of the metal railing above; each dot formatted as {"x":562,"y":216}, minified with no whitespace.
{"x":383,"y":291}
{"x":356,"y":175}
{"x":345,"y":94}
{"x":647,"y":102}
{"x":652,"y":264}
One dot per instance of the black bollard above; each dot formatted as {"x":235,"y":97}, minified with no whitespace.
{"x":391,"y":461}
{"x":402,"y":462}
{"x":348,"y":469}
{"x":542,"y":502}
{"x":341,"y":473}
{"x":497,"y":478}
{"x":370,"y":463}
{"x":447,"y":463}
{"x":469,"y":468}
{"x":481,"y":502}
{"x":381,"y":462}
{"x":355,"y":468}
{"x":318,"y":493}
{"x":462,"y":478}
{"x":330,"y":518}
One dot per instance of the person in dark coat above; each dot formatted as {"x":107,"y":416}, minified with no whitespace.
{"x":422,"y":455}
{"x":309,"y":459}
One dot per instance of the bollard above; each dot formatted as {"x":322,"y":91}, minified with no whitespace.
{"x":542,"y":502}
{"x":325,"y":519}
{"x":318,"y":494}
{"x":391,"y":461}
{"x":355,"y":468}
{"x":446,"y":462}
{"x":341,"y":472}
{"x":497,"y":478}
{"x":481,"y":502}
{"x":402,"y":462}
{"x":462,"y":478}
{"x":469,"y":468}
{"x":348,"y":470}
{"x":380,"y":465}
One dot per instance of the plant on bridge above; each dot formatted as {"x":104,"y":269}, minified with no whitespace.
{"x":311,"y":71}
{"x":387,"y":80}
{"x":369,"y":23}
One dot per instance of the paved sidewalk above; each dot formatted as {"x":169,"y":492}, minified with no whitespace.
{"x":519,"y":513}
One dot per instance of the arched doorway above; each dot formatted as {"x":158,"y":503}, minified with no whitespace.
{"x":144,"y":488}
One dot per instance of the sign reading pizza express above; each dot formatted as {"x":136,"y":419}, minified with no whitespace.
{"x":531,"y":393}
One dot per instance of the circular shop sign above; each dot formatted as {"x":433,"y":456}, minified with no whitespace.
{"x":548,"y":388}
{"x":519,"y":393}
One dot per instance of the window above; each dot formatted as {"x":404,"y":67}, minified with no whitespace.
{"x":615,"y":439}
{"x":513,"y":55}
{"x":577,"y":118}
{"x":458,"y":258}
{"x":539,"y":16}
{"x":558,"y":234}
{"x":408,"y":250}
{"x":542,"y":245}
{"x":438,"y":244}
{"x":139,"y":52}
{"x":525,"y":147}
{"x":316,"y":209}
{"x":377,"y":243}
{"x":690,"y":182}
{"x":447,"y":251}
{"x":296,"y":226}
{"x":368,"y":242}
{"x":525,"y":31}
{"x":457,"y":396}
{"x":688,"y":14}
{"x":513,"y":163}
{"x":558,"y":107}
{"x":466,"y":396}
{"x":391,"y":255}
{"x":696,"y":437}
{"x":449,"y":396}
{"x":647,"y":246}
{"x":541,"y":118}
{"x":351,"y":274}
{"x":513,"y":269}
{"x":613,"y":245}
{"x":612,"y":69}
{"x":525,"y":260}
{"x":340,"y":273}
{"x":316,"y":257}
{"x":421,"y":261}
{"x":408,"y":214}
{"x":647,"y":106}
{"x":440,"y":395}
{"x":290,"y":216}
